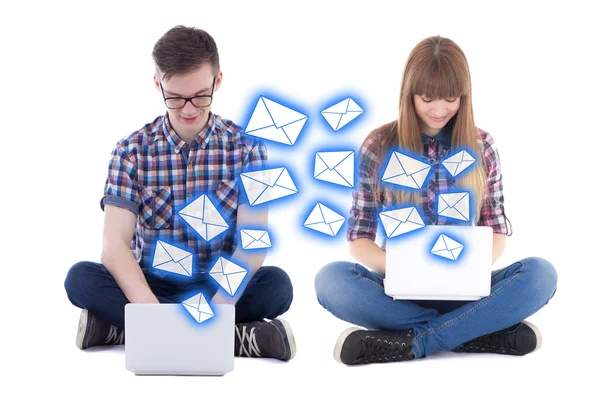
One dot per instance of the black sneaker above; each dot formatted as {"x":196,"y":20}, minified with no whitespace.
{"x":93,"y":331}
{"x":359,"y":346}
{"x":517,"y":340}
{"x":273,"y":339}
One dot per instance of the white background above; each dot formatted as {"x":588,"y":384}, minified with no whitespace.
{"x":76,"y":78}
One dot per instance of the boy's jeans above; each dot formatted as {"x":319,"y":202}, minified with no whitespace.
{"x":89,"y":285}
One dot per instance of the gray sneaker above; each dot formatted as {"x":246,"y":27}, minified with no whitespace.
{"x":93,"y":331}
{"x":272,"y":339}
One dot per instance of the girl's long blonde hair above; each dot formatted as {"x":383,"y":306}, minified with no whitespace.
{"x":436,"y":68}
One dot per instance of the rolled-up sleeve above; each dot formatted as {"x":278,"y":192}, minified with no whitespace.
{"x":362,"y":221}
{"x":492,"y":210}
{"x":121,"y":189}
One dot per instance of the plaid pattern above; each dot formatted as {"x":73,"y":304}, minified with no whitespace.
{"x":154,"y":174}
{"x":364,"y":213}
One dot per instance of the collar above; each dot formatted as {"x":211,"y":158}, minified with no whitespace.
{"x":444,"y":136}
{"x":201,"y":138}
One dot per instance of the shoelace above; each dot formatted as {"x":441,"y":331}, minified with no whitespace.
{"x":250,"y":339}
{"x":378,"y":350}
{"x":115,"y":335}
{"x":500,"y":340}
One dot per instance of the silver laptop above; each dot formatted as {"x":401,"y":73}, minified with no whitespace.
{"x":164,"y":339}
{"x":440,"y":262}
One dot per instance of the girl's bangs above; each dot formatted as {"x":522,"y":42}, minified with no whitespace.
{"x":439,"y":81}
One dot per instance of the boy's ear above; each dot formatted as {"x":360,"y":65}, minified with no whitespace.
{"x":218,"y":80}
{"x":156,"y":82}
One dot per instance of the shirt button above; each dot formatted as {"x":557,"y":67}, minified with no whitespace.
{"x":189,"y":195}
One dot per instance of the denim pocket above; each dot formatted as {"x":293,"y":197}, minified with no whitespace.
{"x":156,"y":210}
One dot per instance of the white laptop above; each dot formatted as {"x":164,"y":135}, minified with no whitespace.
{"x":164,"y":339}
{"x":424,"y":265}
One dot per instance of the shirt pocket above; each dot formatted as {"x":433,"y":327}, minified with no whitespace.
{"x":225,"y":194}
{"x":156,"y":210}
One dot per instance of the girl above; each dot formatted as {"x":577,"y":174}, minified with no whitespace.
{"x":435,"y":118}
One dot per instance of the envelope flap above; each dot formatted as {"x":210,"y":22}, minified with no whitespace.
{"x":466,"y":156}
{"x":415,"y":217}
{"x":316,"y":216}
{"x":265,"y":239}
{"x":353,"y":107}
{"x":161,"y":255}
{"x":329,"y":215}
{"x":285,"y":180}
{"x":264,"y":176}
{"x":176,"y":253}
{"x":193,"y":301}
{"x":282,"y":115}
{"x":456,"y":158}
{"x":454,"y":198}
{"x":212,"y":215}
{"x":439,"y":244}
{"x":218,"y":267}
{"x":411,"y":165}
{"x":260,"y":117}
{"x":254,"y":234}
{"x":195,"y":208}
{"x":400,"y":214}
{"x":393,"y":168}
{"x":231,"y":268}
{"x":389,"y":224}
{"x":333,"y":158}
{"x":246,"y":238}
{"x":338,"y":108}
{"x":203,"y":306}
{"x":452,"y":244}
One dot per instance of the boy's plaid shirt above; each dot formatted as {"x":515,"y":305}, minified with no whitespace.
{"x":364,"y":213}
{"x":154,"y":174}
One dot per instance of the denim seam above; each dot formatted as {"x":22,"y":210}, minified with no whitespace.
{"x":365,"y":278}
{"x":468,"y":312}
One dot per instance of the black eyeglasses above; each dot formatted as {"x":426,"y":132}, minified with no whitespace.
{"x":174,"y":103}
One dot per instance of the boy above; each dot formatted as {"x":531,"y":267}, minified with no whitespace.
{"x":153,"y":174}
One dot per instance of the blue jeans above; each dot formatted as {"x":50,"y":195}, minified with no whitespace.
{"x":89,"y":285}
{"x":355,"y":294}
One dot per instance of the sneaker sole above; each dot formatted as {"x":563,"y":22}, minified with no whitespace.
{"x":81,"y":328}
{"x":337,"y":350}
{"x":538,"y":334}
{"x":290,"y":336}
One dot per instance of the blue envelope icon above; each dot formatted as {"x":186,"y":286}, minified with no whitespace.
{"x":204,"y":218}
{"x":198,"y":307}
{"x":172,"y":259}
{"x":447,"y":247}
{"x":273,"y":121}
{"x":401,"y":221}
{"x":254,"y":239}
{"x":458,"y":163}
{"x":323,"y":219}
{"x":267,"y":185}
{"x":405,"y":171}
{"x":454,"y":205}
{"x":228,"y":275}
{"x":335,"y":167}
{"x":340,"y":114}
